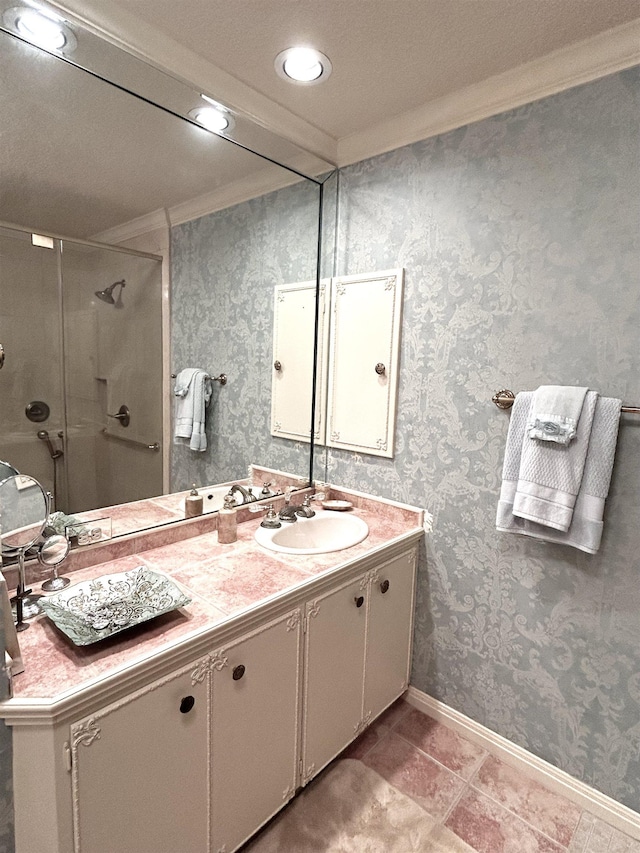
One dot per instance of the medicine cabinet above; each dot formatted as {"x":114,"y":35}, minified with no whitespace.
{"x":358,"y":361}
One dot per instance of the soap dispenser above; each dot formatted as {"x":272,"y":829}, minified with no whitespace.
{"x":193,"y":503}
{"x":227,"y":522}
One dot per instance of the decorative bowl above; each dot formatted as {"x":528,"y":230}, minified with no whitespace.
{"x":94,"y":610}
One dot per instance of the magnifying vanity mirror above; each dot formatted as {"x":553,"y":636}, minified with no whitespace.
{"x":52,"y":553}
{"x":100,"y":184}
{"x":23,"y":516}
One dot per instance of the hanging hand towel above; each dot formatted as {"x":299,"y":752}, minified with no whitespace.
{"x":585,"y":531}
{"x":550,"y":475}
{"x":555,"y":413}
{"x":192,"y":391}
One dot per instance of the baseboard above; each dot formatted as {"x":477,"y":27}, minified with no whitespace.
{"x":617,"y":815}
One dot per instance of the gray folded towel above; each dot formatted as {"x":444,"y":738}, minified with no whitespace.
{"x":585,"y":530}
{"x":555,"y":413}
{"x":550,"y":474}
{"x":192,"y":392}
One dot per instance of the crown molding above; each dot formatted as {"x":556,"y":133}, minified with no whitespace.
{"x":606,"y":53}
{"x":125,"y":30}
{"x":246,"y":189}
{"x":134,"y":228}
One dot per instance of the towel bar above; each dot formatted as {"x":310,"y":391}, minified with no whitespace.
{"x":155,"y":446}
{"x":504,"y":400}
{"x":222,"y":379}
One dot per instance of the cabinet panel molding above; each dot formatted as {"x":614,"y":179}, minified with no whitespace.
{"x":294,"y":316}
{"x":137,"y":763}
{"x":364,"y":354}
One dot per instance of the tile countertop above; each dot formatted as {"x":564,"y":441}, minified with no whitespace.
{"x":223,"y":581}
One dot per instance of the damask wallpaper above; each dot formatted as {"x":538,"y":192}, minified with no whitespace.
{"x":223,"y":270}
{"x":519,"y":236}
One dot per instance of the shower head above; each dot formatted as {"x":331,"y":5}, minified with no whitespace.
{"x":107,"y":294}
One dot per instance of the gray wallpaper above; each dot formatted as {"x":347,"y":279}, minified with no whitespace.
{"x":519,"y":237}
{"x":223,"y":270}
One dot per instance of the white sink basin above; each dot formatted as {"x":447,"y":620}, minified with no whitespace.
{"x":323,"y":533}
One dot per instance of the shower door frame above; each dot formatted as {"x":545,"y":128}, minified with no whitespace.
{"x":59,"y":243}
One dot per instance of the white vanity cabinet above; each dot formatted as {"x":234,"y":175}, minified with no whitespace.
{"x":334,"y":667}
{"x":254,"y":729}
{"x":218,"y":739}
{"x":139,"y":771}
{"x":357,"y":657}
{"x":194,"y":749}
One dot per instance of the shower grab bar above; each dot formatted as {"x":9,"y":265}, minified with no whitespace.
{"x":222,"y":379}
{"x":155,"y":446}
{"x":504,"y":400}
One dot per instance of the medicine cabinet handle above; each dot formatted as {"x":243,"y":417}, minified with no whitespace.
{"x":187,"y":704}
{"x":384,"y":586}
{"x":238,"y":672}
{"x":277,"y":365}
{"x":359,"y":600}
{"x":1,"y":356}
{"x":380,"y":369}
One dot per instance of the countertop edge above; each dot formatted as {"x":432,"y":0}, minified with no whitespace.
{"x":133,"y":676}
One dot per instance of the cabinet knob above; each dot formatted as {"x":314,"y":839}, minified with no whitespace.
{"x":359,"y":600}
{"x":380,"y":369}
{"x":277,"y":365}
{"x":187,"y":704}
{"x":384,"y":586}
{"x":238,"y":672}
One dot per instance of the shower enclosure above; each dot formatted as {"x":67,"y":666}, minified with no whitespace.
{"x":81,"y":379}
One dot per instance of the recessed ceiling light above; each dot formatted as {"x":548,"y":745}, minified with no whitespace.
{"x":303,"y":65}
{"x":213,"y":118}
{"x":41,"y":28}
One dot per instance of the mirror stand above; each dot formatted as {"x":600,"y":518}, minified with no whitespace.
{"x":53,"y":552}
{"x":25,"y":605}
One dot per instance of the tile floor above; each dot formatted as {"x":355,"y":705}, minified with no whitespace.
{"x":465,"y":793}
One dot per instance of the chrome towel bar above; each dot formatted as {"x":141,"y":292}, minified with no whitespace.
{"x":222,"y":379}
{"x":504,"y":400}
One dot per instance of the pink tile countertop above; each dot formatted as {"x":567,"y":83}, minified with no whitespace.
{"x":223,"y":581}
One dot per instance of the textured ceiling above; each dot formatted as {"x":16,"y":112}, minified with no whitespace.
{"x":388,"y":56}
{"x":78,"y":157}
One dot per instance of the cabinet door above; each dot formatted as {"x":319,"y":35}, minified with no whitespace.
{"x":389,"y":633}
{"x":364,"y":361}
{"x":294,"y":317}
{"x":254,"y":734}
{"x":139,"y":772}
{"x":334,"y":669}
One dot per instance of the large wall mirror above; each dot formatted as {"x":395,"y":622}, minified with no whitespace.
{"x":135,"y":244}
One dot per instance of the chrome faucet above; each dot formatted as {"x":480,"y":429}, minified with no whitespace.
{"x":305,"y":511}
{"x":247,"y":496}
{"x":271,"y":518}
{"x":289,"y":511}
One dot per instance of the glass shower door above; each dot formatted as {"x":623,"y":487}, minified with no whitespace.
{"x":112,"y":309}
{"x":31,"y":377}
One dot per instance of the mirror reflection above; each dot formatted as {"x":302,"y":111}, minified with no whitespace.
{"x":24,"y":509}
{"x":96,"y":318}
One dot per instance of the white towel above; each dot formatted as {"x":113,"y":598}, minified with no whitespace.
{"x":555,"y":413}
{"x":551,"y":474}
{"x":192,"y":392}
{"x":585,"y":531}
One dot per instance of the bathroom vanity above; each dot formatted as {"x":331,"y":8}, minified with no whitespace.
{"x":190,"y":732}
